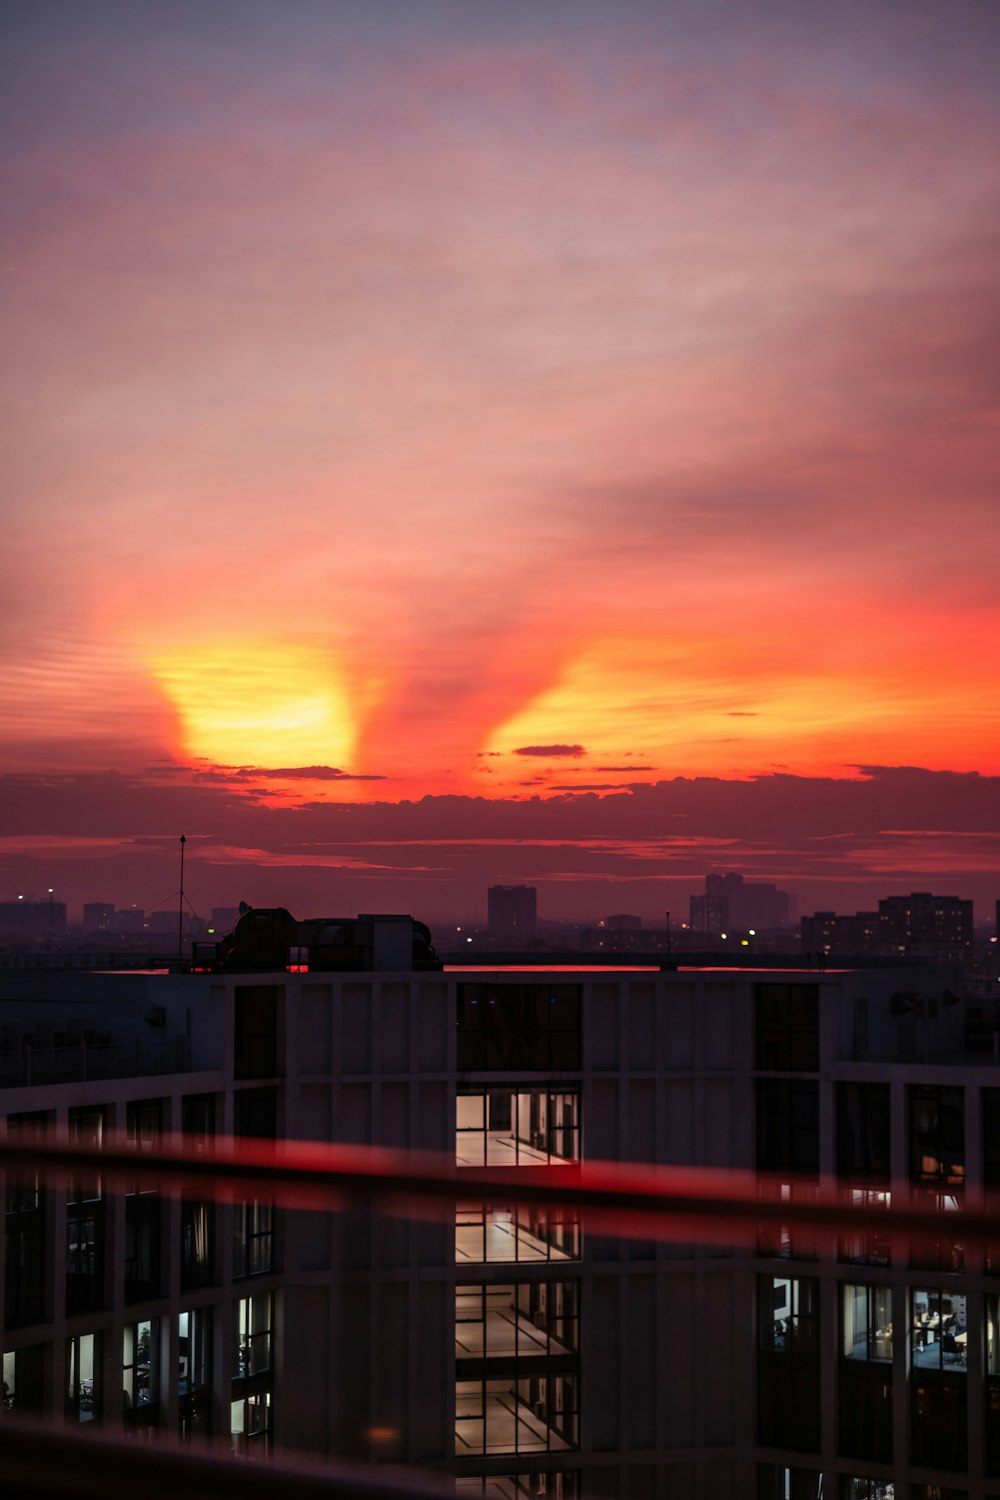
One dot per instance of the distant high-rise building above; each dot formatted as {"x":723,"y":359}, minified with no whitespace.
{"x":162,"y":921}
{"x":33,"y":919}
{"x":921,"y":925}
{"x":98,"y":916}
{"x":834,"y":936}
{"x":730,"y":902}
{"x":129,"y":919}
{"x":512,"y":910}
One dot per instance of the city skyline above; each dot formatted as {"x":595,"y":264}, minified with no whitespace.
{"x":455,"y":446}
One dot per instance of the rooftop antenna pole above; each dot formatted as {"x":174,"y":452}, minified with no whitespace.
{"x":668,"y":937}
{"x":180,"y":908}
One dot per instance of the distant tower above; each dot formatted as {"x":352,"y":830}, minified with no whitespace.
{"x":513,"y":910}
{"x":98,"y":916}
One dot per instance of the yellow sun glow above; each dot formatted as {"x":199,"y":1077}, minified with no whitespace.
{"x":271,"y":705}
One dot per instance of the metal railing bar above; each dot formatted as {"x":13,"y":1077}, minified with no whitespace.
{"x":631,"y":1199}
{"x":42,"y":1460}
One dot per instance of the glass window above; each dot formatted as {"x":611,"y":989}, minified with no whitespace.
{"x":197,"y":1216}
{"x":789,"y":1314}
{"x":537,"y":1414}
{"x":852,"y":1487}
{"x":938,"y":1420}
{"x":991,"y":1138}
{"x":26,"y":1207}
{"x":869,"y":1246}
{"x":24,"y":1380}
{"x":788,"y":1376}
{"x":140,"y":1373}
{"x":253,"y":1249}
{"x":939,"y":1334}
{"x":518,"y":1026}
{"x":993,"y":1334}
{"x":256,"y":1114}
{"x":776,"y":1482}
{"x":787,"y":1126}
{"x":85,"y":1220}
{"x":144,"y":1130}
{"x":865,"y":1376}
{"x":786,"y":1238}
{"x":197,"y":1235}
{"x":194,"y":1372}
{"x":516,"y":1367}
{"x":487,"y":1233}
{"x":516,"y":1127}
{"x":787,"y":1027}
{"x":250,"y":1425}
{"x":254,"y":1221}
{"x":863,"y":1133}
{"x":992,"y":1361}
{"x":941,"y":1246}
{"x":256,"y":1053}
{"x":866,"y":1326}
{"x":83,"y":1370}
{"x":530,"y":1320}
{"x":937,"y":1135}
{"x":253,"y":1331}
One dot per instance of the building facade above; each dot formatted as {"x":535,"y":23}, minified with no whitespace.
{"x":923,"y":925}
{"x":511,"y":1350}
{"x":732,"y":905}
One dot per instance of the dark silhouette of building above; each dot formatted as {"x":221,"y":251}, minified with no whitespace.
{"x":732,"y":904}
{"x":32,"y":920}
{"x":98,"y":916}
{"x":920,"y":925}
{"x":925,"y":926}
{"x":835,"y":936}
{"x":512,"y":911}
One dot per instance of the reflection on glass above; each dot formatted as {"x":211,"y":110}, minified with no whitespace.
{"x":871,"y":1246}
{"x":487,"y":1233}
{"x":533,"y":1415}
{"x":530,"y":1320}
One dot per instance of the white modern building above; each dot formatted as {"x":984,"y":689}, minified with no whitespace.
{"x":505,"y":1347}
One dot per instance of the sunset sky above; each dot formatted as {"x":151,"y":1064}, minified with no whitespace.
{"x":590,"y":407}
